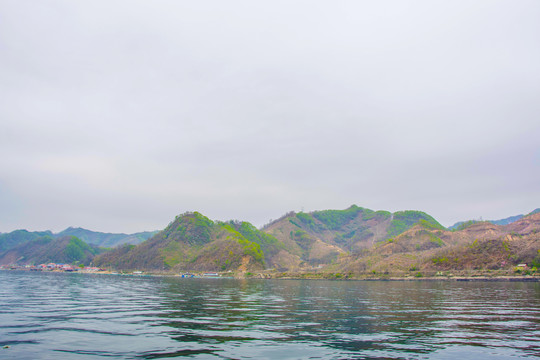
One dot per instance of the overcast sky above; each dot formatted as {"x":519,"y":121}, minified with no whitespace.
{"x":118,"y":115}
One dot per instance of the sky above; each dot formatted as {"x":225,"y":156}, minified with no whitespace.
{"x":117,"y":116}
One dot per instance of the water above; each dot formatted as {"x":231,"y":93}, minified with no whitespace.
{"x":79,"y":316}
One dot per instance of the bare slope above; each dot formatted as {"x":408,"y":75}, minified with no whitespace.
{"x":480,"y":246}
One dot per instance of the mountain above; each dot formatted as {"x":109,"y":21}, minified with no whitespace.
{"x":18,"y":237}
{"x":504,"y":221}
{"x":481,"y":246}
{"x":195,"y":243}
{"x":320,"y":237}
{"x":507,"y":220}
{"x":294,"y":242}
{"x":106,"y":239}
{"x":45,"y":249}
{"x":355,"y":240}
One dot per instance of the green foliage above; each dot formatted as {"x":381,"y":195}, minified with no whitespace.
{"x":105,"y":239}
{"x":305,"y":218}
{"x":432,"y":226}
{"x":173,"y":254}
{"x":404,"y":220}
{"x":18,"y":237}
{"x":252,"y":249}
{"x":48,"y":249}
{"x":440,"y":260}
{"x":191,"y":228}
{"x":303,"y":240}
{"x":268,"y":243}
{"x":76,"y":250}
{"x":335,"y":219}
{"x":435,"y":240}
{"x":418,"y":275}
{"x":294,"y":223}
{"x":465,"y":225}
{"x":368,"y":214}
{"x":536,"y":260}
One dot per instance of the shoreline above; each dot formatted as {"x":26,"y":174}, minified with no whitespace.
{"x":266,"y":276}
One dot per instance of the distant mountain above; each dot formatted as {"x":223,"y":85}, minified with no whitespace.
{"x":535,"y":211}
{"x":18,"y":237}
{"x":106,"y":239}
{"x":45,"y":249}
{"x":504,"y":221}
{"x":507,"y":220}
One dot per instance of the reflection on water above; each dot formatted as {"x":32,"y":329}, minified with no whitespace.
{"x":51,"y":316}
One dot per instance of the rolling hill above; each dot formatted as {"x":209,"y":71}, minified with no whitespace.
{"x":45,"y":249}
{"x":192,"y":242}
{"x":355,"y":240}
{"x":19,"y":237}
{"x":106,"y":239}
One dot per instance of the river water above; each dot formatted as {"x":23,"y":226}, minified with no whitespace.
{"x":82,"y":316}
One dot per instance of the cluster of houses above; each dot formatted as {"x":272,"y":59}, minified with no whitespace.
{"x":52,"y":267}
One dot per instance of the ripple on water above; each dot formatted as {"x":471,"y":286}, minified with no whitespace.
{"x":65,"y":316}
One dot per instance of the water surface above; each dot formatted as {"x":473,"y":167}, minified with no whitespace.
{"x":83,"y":316}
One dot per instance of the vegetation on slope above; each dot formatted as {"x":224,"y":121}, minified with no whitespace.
{"x":106,"y":239}
{"x":488,"y":254}
{"x":404,"y":220}
{"x":194,"y":242}
{"x":18,"y":237}
{"x":335,"y":219}
{"x":68,"y":249}
{"x":268,"y":243}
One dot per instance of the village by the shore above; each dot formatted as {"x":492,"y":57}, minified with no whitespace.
{"x":54,"y":267}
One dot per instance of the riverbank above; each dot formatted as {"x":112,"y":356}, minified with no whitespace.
{"x":469,"y":275}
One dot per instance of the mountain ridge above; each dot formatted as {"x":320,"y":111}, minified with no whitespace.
{"x":505,"y":221}
{"x":351,"y":240}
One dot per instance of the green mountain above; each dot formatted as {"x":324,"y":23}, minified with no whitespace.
{"x":505,"y":221}
{"x":18,"y":237}
{"x":192,"y":242}
{"x":321,"y":236}
{"x":354,"y":240}
{"x":106,"y":239}
{"x":45,"y":249}
{"x":296,"y":241}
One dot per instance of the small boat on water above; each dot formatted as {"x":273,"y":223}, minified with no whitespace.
{"x":211,"y":274}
